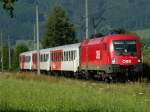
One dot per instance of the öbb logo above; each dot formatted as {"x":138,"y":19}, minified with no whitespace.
{"x":126,"y":61}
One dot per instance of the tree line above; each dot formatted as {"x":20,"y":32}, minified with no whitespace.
{"x":58,"y":31}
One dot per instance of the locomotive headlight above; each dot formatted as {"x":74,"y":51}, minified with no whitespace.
{"x":139,"y":60}
{"x":113,"y":61}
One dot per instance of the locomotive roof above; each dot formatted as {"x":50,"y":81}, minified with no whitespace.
{"x":110,"y":36}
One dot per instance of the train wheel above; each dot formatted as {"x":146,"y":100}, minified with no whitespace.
{"x":87,"y":75}
{"x":76,"y":75}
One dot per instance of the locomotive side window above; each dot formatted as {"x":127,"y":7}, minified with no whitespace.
{"x":125,"y":47}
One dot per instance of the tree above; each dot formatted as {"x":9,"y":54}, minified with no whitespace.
{"x":59,"y":29}
{"x":18,"y":49}
{"x":8,"y":5}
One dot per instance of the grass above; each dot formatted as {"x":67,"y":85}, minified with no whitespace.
{"x":31,"y":93}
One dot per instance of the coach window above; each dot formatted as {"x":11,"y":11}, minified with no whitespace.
{"x":51,"y":56}
{"x":62,"y":55}
{"x":67,"y":56}
{"x":58,"y":56}
{"x":43,"y":58}
{"x":54,"y":57}
{"x":27,"y":58}
{"x":46,"y":57}
{"x":74,"y":54}
{"x":70,"y":55}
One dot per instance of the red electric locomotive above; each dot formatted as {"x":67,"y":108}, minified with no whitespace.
{"x":112,"y":55}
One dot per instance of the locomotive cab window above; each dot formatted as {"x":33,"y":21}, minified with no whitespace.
{"x":125,"y":47}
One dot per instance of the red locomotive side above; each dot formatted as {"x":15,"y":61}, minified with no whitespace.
{"x":111,"y":53}
{"x":92,"y":53}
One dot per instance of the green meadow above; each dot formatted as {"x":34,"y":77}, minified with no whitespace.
{"x":28,"y":92}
